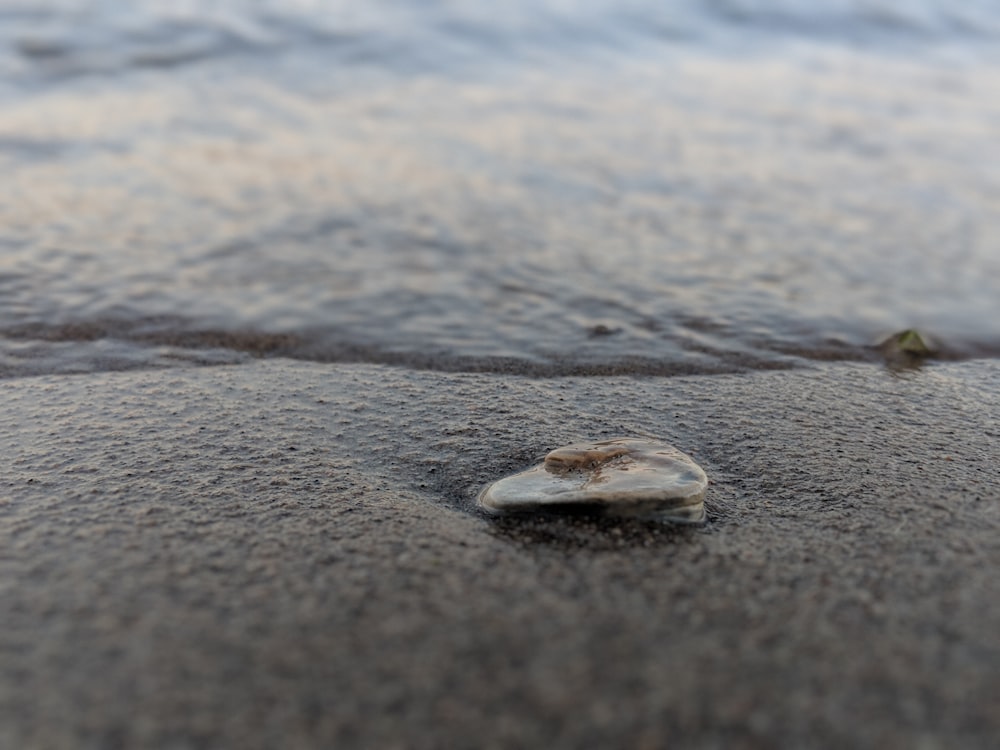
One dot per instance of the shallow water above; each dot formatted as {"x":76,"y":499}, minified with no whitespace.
{"x":545,"y":187}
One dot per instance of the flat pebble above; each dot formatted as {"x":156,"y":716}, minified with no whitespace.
{"x":618,"y":477}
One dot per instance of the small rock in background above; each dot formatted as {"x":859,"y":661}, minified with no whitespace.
{"x":907,"y":349}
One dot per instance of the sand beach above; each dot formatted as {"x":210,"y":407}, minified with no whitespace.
{"x":288,"y":554}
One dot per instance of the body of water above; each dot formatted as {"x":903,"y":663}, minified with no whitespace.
{"x":550,"y":187}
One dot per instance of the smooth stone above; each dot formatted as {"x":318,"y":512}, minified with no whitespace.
{"x":909,"y":343}
{"x":619,"y":477}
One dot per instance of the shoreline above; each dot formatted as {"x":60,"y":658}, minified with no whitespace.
{"x":288,"y":554}
{"x":108,"y":346}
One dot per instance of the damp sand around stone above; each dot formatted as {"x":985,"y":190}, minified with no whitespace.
{"x":285,"y":554}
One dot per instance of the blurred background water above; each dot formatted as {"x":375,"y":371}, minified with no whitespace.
{"x":550,"y":186}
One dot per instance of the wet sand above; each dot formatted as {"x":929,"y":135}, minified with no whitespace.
{"x":285,"y":554}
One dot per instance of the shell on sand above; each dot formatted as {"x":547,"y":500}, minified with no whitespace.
{"x":619,"y":477}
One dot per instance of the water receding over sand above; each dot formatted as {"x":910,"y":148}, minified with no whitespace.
{"x":685,"y":212}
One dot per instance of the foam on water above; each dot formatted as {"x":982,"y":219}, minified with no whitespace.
{"x":542,"y":187}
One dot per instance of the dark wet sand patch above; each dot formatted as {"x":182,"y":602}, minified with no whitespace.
{"x":288,"y":554}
